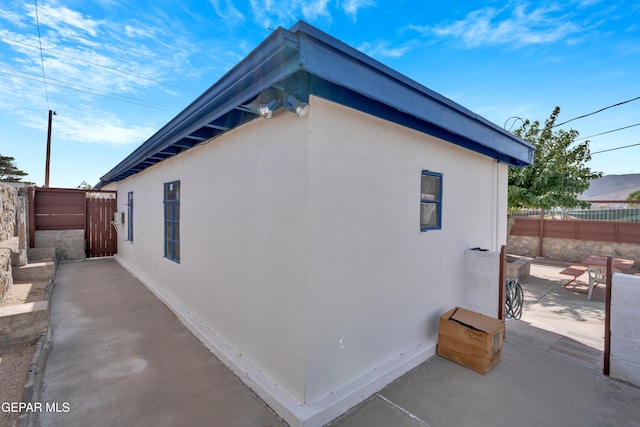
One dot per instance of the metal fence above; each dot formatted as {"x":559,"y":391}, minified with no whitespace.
{"x":603,"y":210}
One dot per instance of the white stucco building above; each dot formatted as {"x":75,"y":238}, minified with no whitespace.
{"x":314,"y":255}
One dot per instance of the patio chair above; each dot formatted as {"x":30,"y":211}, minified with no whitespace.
{"x":596,"y":275}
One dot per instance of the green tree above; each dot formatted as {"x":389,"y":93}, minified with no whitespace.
{"x":9,"y":172}
{"x":84,"y":185}
{"x":634,"y":196}
{"x":559,"y":173}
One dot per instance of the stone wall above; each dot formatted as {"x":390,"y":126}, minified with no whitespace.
{"x":6,"y":275}
{"x":570,"y":250}
{"x":8,"y":201}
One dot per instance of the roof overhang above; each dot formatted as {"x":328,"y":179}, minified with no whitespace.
{"x":303,"y":61}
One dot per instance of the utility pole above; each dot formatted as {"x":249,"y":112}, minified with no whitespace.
{"x":46,"y":168}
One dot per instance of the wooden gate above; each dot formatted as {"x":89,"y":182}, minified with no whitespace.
{"x":73,"y":209}
{"x":100,"y":234}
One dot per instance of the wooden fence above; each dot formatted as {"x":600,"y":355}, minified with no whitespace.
{"x":602,"y":231}
{"x":73,"y":209}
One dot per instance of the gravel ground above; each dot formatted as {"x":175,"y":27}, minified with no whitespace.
{"x":15,"y":360}
{"x":14,"y":366}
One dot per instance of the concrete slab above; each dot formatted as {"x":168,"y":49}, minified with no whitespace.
{"x":531,"y":386}
{"x":550,"y":373}
{"x":120,"y":357}
{"x":549,"y":306}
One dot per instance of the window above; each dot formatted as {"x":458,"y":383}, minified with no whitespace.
{"x":431,"y":201}
{"x":172,"y":220}
{"x":130,"y":216}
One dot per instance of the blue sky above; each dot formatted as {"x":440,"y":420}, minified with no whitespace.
{"x":117,"y":71}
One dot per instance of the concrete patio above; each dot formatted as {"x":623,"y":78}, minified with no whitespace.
{"x":120,"y":357}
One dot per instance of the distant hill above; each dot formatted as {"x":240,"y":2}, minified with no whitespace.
{"x":612,"y":187}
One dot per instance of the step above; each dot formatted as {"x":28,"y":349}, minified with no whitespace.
{"x":22,"y":292}
{"x":41,"y":254}
{"x":23,"y":323}
{"x":44,"y":270}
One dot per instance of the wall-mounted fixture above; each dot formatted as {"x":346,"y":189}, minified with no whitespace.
{"x":292,"y":104}
{"x":271,"y":100}
{"x":266,"y":110}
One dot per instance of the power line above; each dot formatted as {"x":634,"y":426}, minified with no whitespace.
{"x":609,"y":131}
{"x":617,"y":148}
{"x":106,"y":67}
{"x":72,"y":86}
{"x":599,"y":111}
{"x":44,"y":77}
{"x":90,"y":91}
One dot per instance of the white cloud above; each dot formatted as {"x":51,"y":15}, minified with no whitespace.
{"x":271,"y":13}
{"x":518,"y":26}
{"x":13,"y":17}
{"x":312,"y":10}
{"x":86,"y":60}
{"x":63,"y":20}
{"x":139,"y":31}
{"x":351,"y":7}
{"x":227,"y":11}
{"x":99,"y":127}
{"x":382,"y":49}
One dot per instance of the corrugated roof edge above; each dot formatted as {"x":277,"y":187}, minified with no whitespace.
{"x":302,"y":47}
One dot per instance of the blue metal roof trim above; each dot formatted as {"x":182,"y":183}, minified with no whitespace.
{"x":305,"y":60}
{"x":327,"y":58}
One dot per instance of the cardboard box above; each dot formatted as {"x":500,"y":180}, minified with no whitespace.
{"x":470,"y":339}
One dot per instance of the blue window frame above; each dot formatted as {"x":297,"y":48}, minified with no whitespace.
{"x":130,"y":216}
{"x":431,"y":201}
{"x":172,"y":221}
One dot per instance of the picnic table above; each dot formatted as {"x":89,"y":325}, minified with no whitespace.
{"x":596,"y":267}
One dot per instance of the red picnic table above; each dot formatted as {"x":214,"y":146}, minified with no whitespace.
{"x":595,"y":266}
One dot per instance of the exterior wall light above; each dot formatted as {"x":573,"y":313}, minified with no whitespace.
{"x":266,"y":110}
{"x":292,"y":104}
{"x":269,"y":102}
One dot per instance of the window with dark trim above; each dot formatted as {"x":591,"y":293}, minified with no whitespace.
{"x":431,"y":201}
{"x":172,"y":220}
{"x":130,"y":216}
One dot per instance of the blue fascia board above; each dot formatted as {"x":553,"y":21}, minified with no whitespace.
{"x":274,"y":59}
{"x":306,"y":60}
{"x":333,"y":61}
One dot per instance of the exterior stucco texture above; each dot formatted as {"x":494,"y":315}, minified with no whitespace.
{"x":302,"y":260}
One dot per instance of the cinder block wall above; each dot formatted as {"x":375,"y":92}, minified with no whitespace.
{"x":625,"y":334}
{"x":481,"y":277}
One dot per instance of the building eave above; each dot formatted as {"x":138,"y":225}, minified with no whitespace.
{"x":304,"y":61}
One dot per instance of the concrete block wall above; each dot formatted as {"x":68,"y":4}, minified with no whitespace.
{"x":625,"y":334}
{"x":69,"y":244}
{"x":481,"y":276}
{"x":23,"y":323}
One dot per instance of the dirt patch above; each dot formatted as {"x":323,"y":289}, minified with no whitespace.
{"x":15,"y":359}
{"x":14,"y":366}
